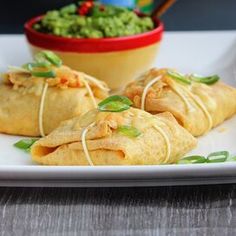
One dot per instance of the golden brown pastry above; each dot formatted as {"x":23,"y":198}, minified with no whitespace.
{"x":34,"y":106}
{"x":130,"y":137}
{"x":198,"y":104}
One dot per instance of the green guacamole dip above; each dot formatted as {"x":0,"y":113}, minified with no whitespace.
{"x":101,"y":22}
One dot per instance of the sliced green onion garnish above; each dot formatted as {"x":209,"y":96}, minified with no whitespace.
{"x":44,"y":74}
{"x":192,"y":160}
{"x":113,"y":107}
{"x":179,"y":77}
{"x":25,"y":144}
{"x":30,"y":66}
{"x":115,"y":103}
{"x":217,"y":157}
{"x":129,"y":131}
{"x":232,"y":158}
{"x":39,"y":71}
{"x":48,"y":56}
{"x":116,"y":98}
{"x":209,"y":80}
{"x":40,"y":57}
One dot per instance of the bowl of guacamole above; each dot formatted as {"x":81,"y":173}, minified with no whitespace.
{"x":114,"y":44}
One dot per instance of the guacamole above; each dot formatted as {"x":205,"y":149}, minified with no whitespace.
{"x":99,"y":22}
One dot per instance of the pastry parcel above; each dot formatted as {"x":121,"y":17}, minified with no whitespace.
{"x":198,"y":103}
{"x":105,"y":137}
{"x":35,"y":98}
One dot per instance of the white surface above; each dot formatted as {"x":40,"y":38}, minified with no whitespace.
{"x":199,"y":52}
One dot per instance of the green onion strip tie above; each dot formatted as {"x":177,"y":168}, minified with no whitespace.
{"x":87,"y":86}
{"x":145,"y":91}
{"x":84,"y":144}
{"x":90,"y":91}
{"x":41,"y":109}
{"x":167,"y":141}
{"x":181,"y":94}
{"x":195,"y":98}
{"x":202,"y":106}
{"x":179,"y":77}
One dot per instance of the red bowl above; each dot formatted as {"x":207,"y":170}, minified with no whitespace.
{"x":85,"y":45}
{"x":117,"y":61}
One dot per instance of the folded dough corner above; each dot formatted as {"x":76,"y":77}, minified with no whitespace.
{"x":197,"y":106}
{"x":161,"y":140}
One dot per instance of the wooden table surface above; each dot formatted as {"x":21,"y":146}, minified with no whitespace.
{"x":187,"y":210}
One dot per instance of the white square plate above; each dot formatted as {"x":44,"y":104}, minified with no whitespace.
{"x":199,"y":52}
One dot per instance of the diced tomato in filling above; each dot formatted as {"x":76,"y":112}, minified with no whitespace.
{"x":63,"y":80}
